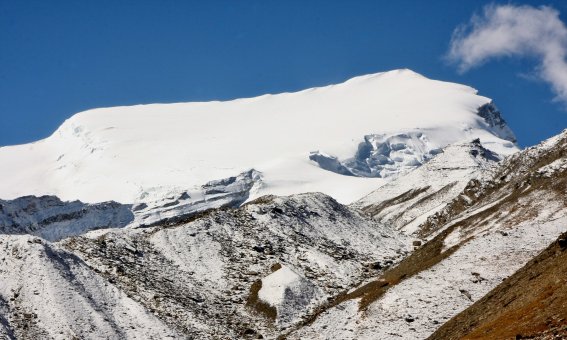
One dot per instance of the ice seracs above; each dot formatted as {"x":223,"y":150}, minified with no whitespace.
{"x":140,"y":153}
{"x":380,"y":155}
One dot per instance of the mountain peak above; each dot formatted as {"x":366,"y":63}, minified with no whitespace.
{"x":124,"y":153}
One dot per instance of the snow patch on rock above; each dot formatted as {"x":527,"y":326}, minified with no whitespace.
{"x":290,"y":293}
{"x":275,"y":285}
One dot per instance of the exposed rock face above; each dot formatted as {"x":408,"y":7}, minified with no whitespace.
{"x":227,"y":192}
{"x":494,"y":119}
{"x":52,"y":219}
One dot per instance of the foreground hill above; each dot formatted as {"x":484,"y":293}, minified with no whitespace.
{"x":231,"y":272}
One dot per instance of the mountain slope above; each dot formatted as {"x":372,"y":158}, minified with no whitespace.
{"x":374,"y":126}
{"x":408,"y":200}
{"x":442,"y":220}
{"x":49,"y":293}
{"x":303,"y":266}
{"x":258,"y":269}
{"x":531,"y":304}
{"x":486,"y":233}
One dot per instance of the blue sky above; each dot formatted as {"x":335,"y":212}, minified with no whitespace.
{"x":61,"y":57}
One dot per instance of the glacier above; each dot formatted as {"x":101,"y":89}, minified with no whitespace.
{"x":373,"y":128}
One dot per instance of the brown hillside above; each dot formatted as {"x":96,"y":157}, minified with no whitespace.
{"x":531,"y":304}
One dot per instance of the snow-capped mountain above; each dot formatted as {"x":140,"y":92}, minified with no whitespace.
{"x":343,"y":140}
{"x":426,"y":206}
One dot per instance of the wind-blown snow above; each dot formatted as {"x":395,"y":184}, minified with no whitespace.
{"x":129,"y":153}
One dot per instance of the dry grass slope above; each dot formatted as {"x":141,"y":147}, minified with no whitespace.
{"x":531,"y":304}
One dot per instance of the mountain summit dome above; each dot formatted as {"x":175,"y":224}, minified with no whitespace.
{"x":136,"y":153}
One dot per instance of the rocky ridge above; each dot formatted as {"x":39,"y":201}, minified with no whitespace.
{"x":201,"y":277}
{"x":482,"y":236}
{"x":52,"y":219}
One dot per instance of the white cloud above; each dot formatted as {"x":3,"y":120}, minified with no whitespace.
{"x":508,"y":30}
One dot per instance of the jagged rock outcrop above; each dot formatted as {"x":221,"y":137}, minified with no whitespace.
{"x":52,"y":219}
{"x":493,"y":117}
{"x":227,"y":192}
